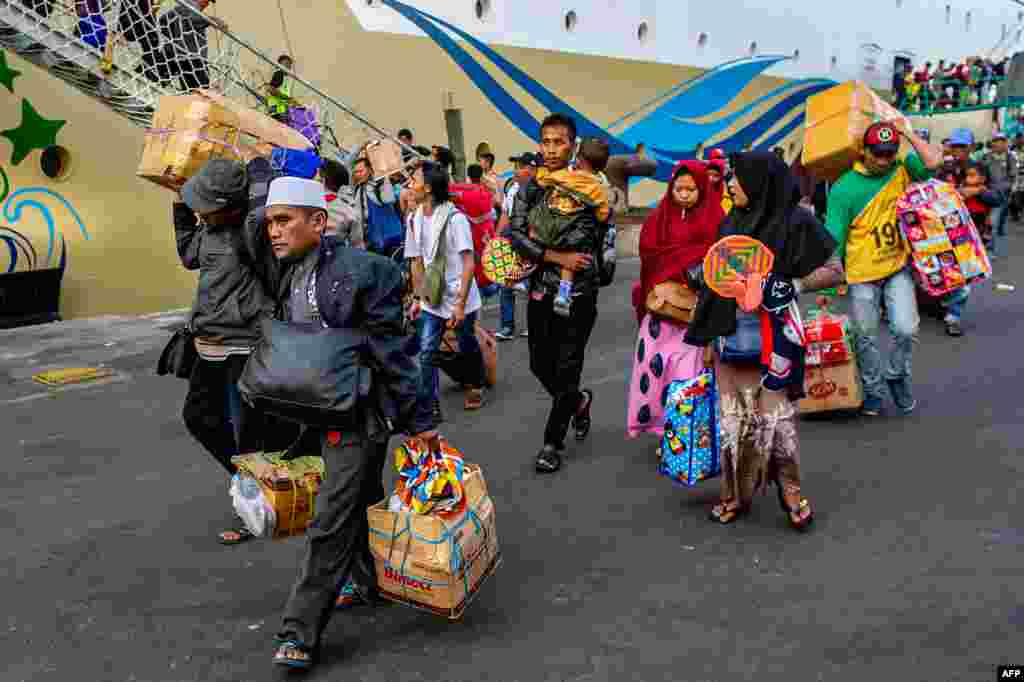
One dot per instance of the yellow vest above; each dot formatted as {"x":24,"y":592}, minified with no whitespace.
{"x":875,"y":247}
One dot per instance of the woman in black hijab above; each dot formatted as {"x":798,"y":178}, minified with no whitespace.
{"x":758,"y":411}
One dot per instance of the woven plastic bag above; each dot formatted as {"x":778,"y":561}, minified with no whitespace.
{"x":690,"y":444}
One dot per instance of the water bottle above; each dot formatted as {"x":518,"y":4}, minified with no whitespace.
{"x":249,"y":488}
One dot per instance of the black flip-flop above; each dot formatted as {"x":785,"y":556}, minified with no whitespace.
{"x":243,"y":533}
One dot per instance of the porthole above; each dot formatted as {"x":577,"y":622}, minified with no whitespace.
{"x":834,"y":62}
{"x":482,"y":9}
{"x":571,"y":20}
{"x":642,"y":31}
{"x":702,"y":39}
{"x":55,"y":162}
{"x":796,"y":55}
{"x":753,"y":48}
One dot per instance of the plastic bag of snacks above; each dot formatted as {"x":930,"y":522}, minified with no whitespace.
{"x":947,"y":251}
{"x":276,"y":498}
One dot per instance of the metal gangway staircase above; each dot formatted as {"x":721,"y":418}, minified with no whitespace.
{"x":129,"y":53}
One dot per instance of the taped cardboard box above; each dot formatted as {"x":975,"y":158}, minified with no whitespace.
{"x":189,"y":130}
{"x":832,"y":388}
{"x":287,"y":491}
{"x":436,"y":563}
{"x":836,"y":121}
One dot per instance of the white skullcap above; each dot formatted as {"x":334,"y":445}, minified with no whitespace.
{"x":298,"y":192}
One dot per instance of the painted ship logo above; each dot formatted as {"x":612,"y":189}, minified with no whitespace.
{"x":822,"y":390}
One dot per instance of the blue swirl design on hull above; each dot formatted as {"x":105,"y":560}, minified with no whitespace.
{"x":19,"y":247}
{"x":672,"y":130}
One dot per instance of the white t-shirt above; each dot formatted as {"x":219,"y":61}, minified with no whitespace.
{"x":420,"y":240}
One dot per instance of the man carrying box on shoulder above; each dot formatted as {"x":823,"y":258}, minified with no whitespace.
{"x":863,"y":220}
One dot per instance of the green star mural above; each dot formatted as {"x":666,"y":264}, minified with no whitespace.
{"x":7,"y":74}
{"x":35,"y":132}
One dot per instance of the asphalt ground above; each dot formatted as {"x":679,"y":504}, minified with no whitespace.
{"x":109,"y":514}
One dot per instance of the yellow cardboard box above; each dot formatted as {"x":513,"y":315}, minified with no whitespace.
{"x":832,"y":388}
{"x":834,"y":127}
{"x":436,"y":563}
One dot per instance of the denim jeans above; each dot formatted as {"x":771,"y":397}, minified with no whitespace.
{"x":508,"y":309}
{"x":431,"y":330}
{"x":1000,"y":216}
{"x":896,"y":292}
{"x":955,"y":302}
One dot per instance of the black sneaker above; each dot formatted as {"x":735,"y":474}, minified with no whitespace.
{"x":953,"y":328}
{"x":549,"y":460}
{"x":581,"y":420}
{"x":505,"y":334}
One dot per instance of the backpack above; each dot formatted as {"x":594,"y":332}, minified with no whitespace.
{"x":384,"y":230}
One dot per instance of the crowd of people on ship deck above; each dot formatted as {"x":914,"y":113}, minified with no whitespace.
{"x":948,"y":85}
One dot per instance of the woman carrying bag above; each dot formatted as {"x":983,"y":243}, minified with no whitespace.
{"x":674,"y":239}
{"x":760,"y":348}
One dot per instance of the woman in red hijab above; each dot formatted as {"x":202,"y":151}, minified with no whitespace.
{"x":674,"y":239}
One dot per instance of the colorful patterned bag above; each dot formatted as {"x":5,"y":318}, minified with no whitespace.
{"x":429,"y":482}
{"x":690,"y":445}
{"x":503,"y":265}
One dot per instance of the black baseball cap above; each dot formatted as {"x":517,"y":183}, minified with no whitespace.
{"x":528,"y":159}
{"x":218,"y":184}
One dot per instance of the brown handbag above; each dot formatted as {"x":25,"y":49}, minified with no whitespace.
{"x":672,"y":300}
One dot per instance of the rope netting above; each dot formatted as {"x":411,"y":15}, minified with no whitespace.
{"x":131,"y":52}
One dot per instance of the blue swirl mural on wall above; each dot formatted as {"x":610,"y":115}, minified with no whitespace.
{"x":686,"y":116}
{"x":21,"y":253}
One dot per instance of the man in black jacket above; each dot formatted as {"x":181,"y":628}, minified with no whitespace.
{"x":324,"y":282}
{"x":209,"y":223}
{"x":558,"y":344}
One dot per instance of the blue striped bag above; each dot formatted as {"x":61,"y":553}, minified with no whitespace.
{"x":689,"y":447}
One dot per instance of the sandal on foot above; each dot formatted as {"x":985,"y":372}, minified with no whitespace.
{"x":235,"y":536}
{"x":797,"y":520}
{"x":291,"y":654}
{"x":474,"y":399}
{"x":348,"y":596}
{"x":581,"y":420}
{"x":725,"y":512}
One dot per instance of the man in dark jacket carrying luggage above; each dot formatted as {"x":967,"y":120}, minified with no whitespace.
{"x":558,"y":344}
{"x":323,"y":282}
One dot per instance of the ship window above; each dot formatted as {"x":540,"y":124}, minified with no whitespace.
{"x":899,"y":4}
{"x":482,"y":8}
{"x":570,"y":20}
{"x":1020,"y":17}
{"x":369,"y":3}
{"x":55,"y":163}
{"x":967,"y":21}
{"x":702,"y":39}
{"x":834,"y":62}
{"x":949,"y":14}
{"x":753,"y":48}
{"x":796,"y":55}
{"x":642,"y":31}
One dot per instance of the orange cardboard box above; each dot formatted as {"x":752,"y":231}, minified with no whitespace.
{"x":832,"y":388}
{"x":834,"y":127}
{"x":436,"y":563}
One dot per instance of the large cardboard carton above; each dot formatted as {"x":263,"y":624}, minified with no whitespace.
{"x":436,"y":563}
{"x":187,"y":132}
{"x":832,"y":388}
{"x":834,"y":127}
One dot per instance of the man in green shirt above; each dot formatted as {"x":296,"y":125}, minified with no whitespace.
{"x":863,"y":220}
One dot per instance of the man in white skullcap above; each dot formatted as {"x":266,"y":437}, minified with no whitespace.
{"x":324,"y":282}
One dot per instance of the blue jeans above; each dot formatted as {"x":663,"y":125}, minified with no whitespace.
{"x":896,"y":292}
{"x":431,"y":330}
{"x":508,"y":309}
{"x":1000,"y":217}
{"x":955,"y":302}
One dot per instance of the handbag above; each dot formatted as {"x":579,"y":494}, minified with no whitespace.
{"x":690,"y":445}
{"x":435,"y":280}
{"x":672,"y":300}
{"x":743,"y":347}
{"x":308,"y":373}
{"x":179,"y":355}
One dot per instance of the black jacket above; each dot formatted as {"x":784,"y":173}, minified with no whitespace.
{"x":359,"y":290}
{"x":230,"y":297}
{"x":583,"y":238}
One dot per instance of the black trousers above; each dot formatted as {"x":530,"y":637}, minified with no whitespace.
{"x":337,"y":543}
{"x":222,"y":422}
{"x":557,"y":348}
